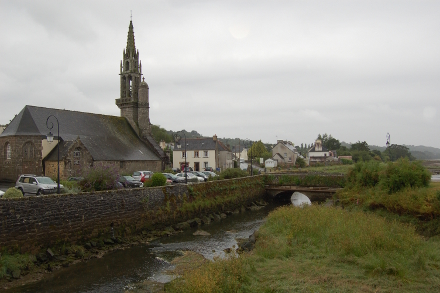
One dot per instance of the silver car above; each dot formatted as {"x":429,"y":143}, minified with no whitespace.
{"x":38,"y":185}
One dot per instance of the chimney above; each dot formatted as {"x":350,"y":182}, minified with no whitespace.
{"x":214,"y":138}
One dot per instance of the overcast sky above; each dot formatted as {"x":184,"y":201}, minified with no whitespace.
{"x":251,"y":69}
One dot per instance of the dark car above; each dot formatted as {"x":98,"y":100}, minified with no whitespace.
{"x":174,"y":178}
{"x":75,"y":178}
{"x":209,"y":169}
{"x":128,"y":181}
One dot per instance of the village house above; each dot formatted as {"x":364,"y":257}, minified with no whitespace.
{"x":319,"y":154}
{"x":202,"y":153}
{"x":284,"y":152}
{"x":85,"y":140}
{"x":240,"y":153}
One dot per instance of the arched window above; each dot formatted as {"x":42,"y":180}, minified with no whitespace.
{"x":8,"y":151}
{"x":127,"y":65}
{"x":76,"y":156}
{"x":28,"y":151}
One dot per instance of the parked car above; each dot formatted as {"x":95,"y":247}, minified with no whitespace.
{"x":174,"y":178}
{"x":190,"y":177}
{"x":128,"y":181}
{"x":209,"y":173}
{"x":137,"y":175}
{"x":187,"y":169}
{"x":1,"y":193}
{"x":29,"y":183}
{"x":200,"y":174}
{"x":209,"y":169}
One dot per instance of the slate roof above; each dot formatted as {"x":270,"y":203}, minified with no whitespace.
{"x":200,"y":144}
{"x":324,"y":149}
{"x":107,"y":138}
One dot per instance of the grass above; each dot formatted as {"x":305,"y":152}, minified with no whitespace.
{"x":10,"y":263}
{"x":318,"y":249}
{"x":332,"y":169}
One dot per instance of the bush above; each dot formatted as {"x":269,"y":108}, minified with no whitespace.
{"x":404,"y":174}
{"x":300,"y":162}
{"x":346,"y":162}
{"x":12,"y":193}
{"x":364,"y":174}
{"x":158,"y":179}
{"x":391,"y":177}
{"x":101,"y":177}
{"x":71,"y":187}
{"x":232,"y":173}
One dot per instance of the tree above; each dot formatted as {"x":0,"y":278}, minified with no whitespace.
{"x":360,"y":146}
{"x":159,"y":134}
{"x":257,"y":150}
{"x":395,"y":152}
{"x":329,"y":141}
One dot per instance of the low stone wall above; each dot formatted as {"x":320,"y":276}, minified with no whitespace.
{"x":31,"y":223}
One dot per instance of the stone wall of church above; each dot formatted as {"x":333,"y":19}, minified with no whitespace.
{"x":26,"y":156}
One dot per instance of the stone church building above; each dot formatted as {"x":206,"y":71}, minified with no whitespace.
{"x":85,"y":140}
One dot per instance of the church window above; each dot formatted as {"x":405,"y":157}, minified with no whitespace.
{"x":8,"y":151}
{"x":127,"y":66}
{"x":28,"y":151}
{"x":76,"y":156}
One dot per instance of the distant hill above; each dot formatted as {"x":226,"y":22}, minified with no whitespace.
{"x":420,"y":152}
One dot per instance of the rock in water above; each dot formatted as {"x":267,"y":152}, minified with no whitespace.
{"x":298,"y":199}
{"x":201,"y":233}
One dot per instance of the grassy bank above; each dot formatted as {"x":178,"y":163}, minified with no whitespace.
{"x":373,"y":244}
{"x":321,"y":249}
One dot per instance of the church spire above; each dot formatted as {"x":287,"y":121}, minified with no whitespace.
{"x":131,"y":47}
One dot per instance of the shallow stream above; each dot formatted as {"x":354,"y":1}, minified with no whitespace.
{"x":121,"y":270}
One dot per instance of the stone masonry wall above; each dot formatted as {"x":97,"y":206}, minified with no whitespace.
{"x":31,"y":223}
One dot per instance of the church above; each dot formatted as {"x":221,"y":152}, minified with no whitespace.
{"x":85,"y":140}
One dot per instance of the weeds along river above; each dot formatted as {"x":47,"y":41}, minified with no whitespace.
{"x":122,"y":270}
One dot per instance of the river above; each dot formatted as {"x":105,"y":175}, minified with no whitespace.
{"x":121,"y":270}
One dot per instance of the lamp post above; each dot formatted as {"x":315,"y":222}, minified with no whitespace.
{"x":250,"y":155}
{"x":50,"y":140}
{"x":177,"y":138}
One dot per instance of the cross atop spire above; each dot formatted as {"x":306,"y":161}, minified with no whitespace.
{"x":131,"y":15}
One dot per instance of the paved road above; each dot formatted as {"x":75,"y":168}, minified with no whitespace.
{"x":5,"y":186}
{"x":435,"y":178}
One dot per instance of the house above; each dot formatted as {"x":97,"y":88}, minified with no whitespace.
{"x":284,"y":152}
{"x":85,"y":139}
{"x":317,"y":153}
{"x":239,"y":153}
{"x":202,"y":153}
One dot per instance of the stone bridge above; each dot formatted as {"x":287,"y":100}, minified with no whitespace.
{"x":314,"y":193}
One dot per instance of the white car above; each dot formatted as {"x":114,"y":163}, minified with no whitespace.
{"x":1,"y":193}
{"x":137,"y":175}
{"x":190,"y":177}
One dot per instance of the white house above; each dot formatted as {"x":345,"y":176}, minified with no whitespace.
{"x":202,"y":153}
{"x":318,"y":153}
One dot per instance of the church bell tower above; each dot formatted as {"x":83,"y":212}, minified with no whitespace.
{"x":133,"y":100}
